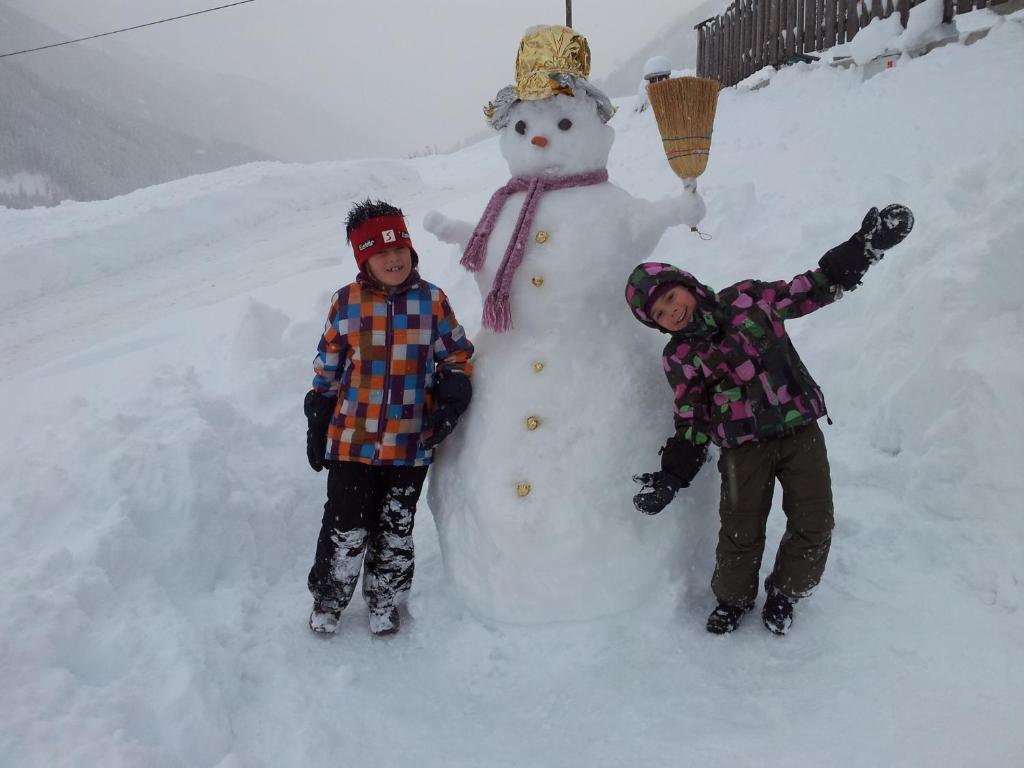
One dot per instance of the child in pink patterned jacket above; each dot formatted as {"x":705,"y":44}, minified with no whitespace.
{"x":738,"y":382}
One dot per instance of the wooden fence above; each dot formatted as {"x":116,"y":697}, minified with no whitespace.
{"x":752,"y":34}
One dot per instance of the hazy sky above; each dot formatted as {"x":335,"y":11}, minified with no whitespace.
{"x":416,"y":72}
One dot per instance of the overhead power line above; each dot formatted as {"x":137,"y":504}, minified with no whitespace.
{"x":126,"y":29}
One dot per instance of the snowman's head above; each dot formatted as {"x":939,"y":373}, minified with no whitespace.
{"x":556,"y":136}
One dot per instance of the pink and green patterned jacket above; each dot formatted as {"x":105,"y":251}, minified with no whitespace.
{"x":734,"y":372}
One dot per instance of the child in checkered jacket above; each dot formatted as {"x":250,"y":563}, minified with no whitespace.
{"x":391,"y":380}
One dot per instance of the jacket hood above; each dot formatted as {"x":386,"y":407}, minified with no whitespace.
{"x":649,"y":275}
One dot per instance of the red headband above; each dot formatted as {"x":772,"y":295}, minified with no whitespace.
{"x":379,"y":234}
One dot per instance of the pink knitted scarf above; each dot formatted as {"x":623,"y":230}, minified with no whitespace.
{"x":498,"y":305}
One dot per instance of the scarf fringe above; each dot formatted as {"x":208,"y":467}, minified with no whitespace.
{"x":498,"y":312}
{"x":473,"y":257}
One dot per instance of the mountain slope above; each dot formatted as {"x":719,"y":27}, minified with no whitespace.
{"x":85,"y":122}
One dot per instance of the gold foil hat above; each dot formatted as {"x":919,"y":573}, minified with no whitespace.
{"x":551,"y":60}
{"x":544,"y":53}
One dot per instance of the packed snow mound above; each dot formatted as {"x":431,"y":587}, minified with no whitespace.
{"x":157,"y":516}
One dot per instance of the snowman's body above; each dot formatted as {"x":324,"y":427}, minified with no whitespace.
{"x":532,"y":493}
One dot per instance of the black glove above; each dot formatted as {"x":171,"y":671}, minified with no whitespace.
{"x":883,"y":230}
{"x":659,"y":488}
{"x":319,"y":410}
{"x":681,"y":460}
{"x":440,"y":424}
{"x":452,"y":394}
{"x":846,"y":264}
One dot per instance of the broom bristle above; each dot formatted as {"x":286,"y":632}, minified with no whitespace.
{"x":685,"y":110}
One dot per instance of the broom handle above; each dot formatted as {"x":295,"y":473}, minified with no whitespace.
{"x":690,"y":185}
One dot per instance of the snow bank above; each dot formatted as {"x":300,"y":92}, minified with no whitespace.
{"x":875,"y":39}
{"x":924,"y":25}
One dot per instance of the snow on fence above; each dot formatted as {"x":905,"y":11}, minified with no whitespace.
{"x":752,"y":34}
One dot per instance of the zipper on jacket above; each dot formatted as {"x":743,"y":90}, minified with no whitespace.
{"x":387,"y":382}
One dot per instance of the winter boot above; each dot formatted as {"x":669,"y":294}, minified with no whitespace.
{"x":325,"y":617}
{"x":725,"y":618}
{"x":777,"y":613}
{"x":385,"y":622}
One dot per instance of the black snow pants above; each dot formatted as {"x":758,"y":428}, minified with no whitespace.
{"x":368,"y":520}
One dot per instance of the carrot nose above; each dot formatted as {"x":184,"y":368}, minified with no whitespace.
{"x":540,"y":141}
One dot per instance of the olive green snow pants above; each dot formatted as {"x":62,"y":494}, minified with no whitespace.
{"x":800,"y":463}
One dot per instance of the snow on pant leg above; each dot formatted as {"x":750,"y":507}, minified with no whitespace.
{"x":351,"y":490}
{"x":388,"y":569}
{"x":748,"y":482}
{"x":807,"y":501}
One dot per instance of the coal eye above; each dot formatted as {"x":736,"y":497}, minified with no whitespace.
{"x":565,"y":124}
{"x":521,"y":128}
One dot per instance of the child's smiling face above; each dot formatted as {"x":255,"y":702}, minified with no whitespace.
{"x":391,"y":267}
{"x":674,"y":309}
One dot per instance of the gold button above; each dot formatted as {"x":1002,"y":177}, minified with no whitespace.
{"x":537,"y":280}
{"x":523,"y":489}
{"x":532,"y":423}
{"x":542,"y":236}
{"x":538,"y":366}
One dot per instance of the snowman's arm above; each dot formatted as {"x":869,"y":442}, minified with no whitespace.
{"x":654,"y":218}
{"x":448,"y":230}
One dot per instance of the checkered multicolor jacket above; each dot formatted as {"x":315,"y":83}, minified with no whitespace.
{"x":380,"y":354}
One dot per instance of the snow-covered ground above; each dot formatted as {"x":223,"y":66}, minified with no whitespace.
{"x":157,"y":516}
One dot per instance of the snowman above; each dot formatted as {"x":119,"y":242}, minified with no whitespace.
{"x":532,"y":494}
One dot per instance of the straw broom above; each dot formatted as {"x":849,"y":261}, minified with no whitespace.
{"x":685,"y":110}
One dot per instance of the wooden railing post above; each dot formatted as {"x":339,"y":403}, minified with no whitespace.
{"x":737,"y":68}
{"x":723,"y":40}
{"x":748,"y":37}
{"x":734,"y":47}
{"x":700,"y":50}
{"x":711,"y":49}
{"x":853,"y":18}
{"x":808,"y":25}
{"x":791,"y":25}
{"x":772,"y":52}
{"x":829,"y":25}
{"x":735,"y":50}
{"x":741,"y":38}
{"x":904,"y":11}
{"x":744,"y":22}
{"x":758,"y":45}
{"x":730,"y":47}
{"x":719,"y":52}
